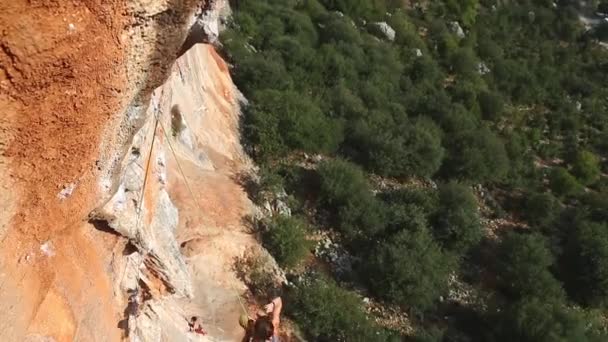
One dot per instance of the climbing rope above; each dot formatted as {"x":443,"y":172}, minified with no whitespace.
{"x":146,"y":172}
{"x":167,"y":138}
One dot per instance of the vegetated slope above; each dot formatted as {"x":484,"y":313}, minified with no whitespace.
{"x":510,"y":98}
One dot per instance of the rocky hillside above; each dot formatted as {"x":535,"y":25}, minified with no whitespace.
{"x":119,"y":154}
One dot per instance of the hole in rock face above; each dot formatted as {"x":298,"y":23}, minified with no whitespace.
{"x":102,"y":225}
{"x":129,"y":249}
{"x":177,"y":121}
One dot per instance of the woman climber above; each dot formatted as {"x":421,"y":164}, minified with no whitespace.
{"x":266,"y":325}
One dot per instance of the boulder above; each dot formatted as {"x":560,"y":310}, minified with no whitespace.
{"x":456,"y":29}
{"x":482,"y":68}
{"x":386,"y":30}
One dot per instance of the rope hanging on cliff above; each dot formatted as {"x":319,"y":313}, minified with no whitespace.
{"x":143,"y":192}
{"x":146,"y":172}
{"x":162,"y":127}
{"x":179,"y":166}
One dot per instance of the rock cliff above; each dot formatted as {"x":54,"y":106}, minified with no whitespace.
{"x":117,"y":157}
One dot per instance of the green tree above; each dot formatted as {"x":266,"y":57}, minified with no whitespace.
{"x":587,"y":263}
{"x":408,"y":209}
{"x":409,"y":269}
{"x":457,"y":224}
{"x":345,"y":192}
{"x":524,"y":262}
{"x":477,"y":156}
{"x":285,"y":238}
{"x":586,"y":167}
{"x":532,"y":320}
{"x":540,"y":209}
{"x":280,"y":119}
{"x":409,"y":149}
{"x":327,"y":312}
{"x":259,"y":72}
{"x":563,"y":183}
{"x":464,"y":62}
{"x":491,"y":105}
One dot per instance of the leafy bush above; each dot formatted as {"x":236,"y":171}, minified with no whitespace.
{"x":587,"y":263}
{"x":255,"y":269}
{"x":285,"y":238}
{"x":563,"y":183}
{"x":464,"y":62}
{"x":477,"y":156}
{"x":586,"y":167}
{"x":457,"y":224}
{"x":531,"y":320}
{"x":344,"y":190}
{"x":491,"y":105}
{"x":280,"y":119}
{"x":409,"y":149}
{"x":327,"y":312}
{"x":408,"y":209}
{"x":524,"y":262}
{"x":409,"y":269}
{"x":540,"y":208}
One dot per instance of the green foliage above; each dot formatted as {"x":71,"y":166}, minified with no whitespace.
{"x":288,"y":119}
{"x":477,"y":156}
{"x":531,"y":320}
{"x":524,"y":262}
{"x":464,"y":62}
{"x":358,"y":8}
{"x":345,"y":191}
{"x":601,"y":31}
{"x":586,"y":167}
{"x":540,"y":209}
{"x":319,"y":82}
{"x":411,"y":149}
{"x":457,"y":224}
{"x":563,"y":183}
{"x":408,"y":209}
{"x":410,"y":269}
{"x":329,"y":313}
{"x":285,"y":238}
{"x":256,"y":270}
{"x":491,"y":105}
{"x":587,"y":263}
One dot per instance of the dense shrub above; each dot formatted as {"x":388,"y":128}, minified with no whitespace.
{"x":410,"y":149}
{"x":491,"y":105}
{"x":345,"y":191}
{"x":285,"y":238}
{"x":327,"y":312}
{"x":408,"y":209}
{"x":478,"y":156}
{"x":409,"y":269}
{"x":563,"y":183}
{"x":457,"y":224}
{"x":587,"y":263}
{"x":282,"y":119}
{"x":540,"y":209}
{"x":532,"y":320}
{"x":524,"y":262}
{"x":586,"y":167}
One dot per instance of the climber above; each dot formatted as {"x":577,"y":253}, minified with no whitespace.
{"x":266,"y":326}
{"x":196,"y":325}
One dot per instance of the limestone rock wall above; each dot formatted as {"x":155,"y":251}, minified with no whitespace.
{"x":88,"y":253}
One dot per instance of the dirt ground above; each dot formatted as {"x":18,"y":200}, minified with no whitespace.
{"x":61,"y":79}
